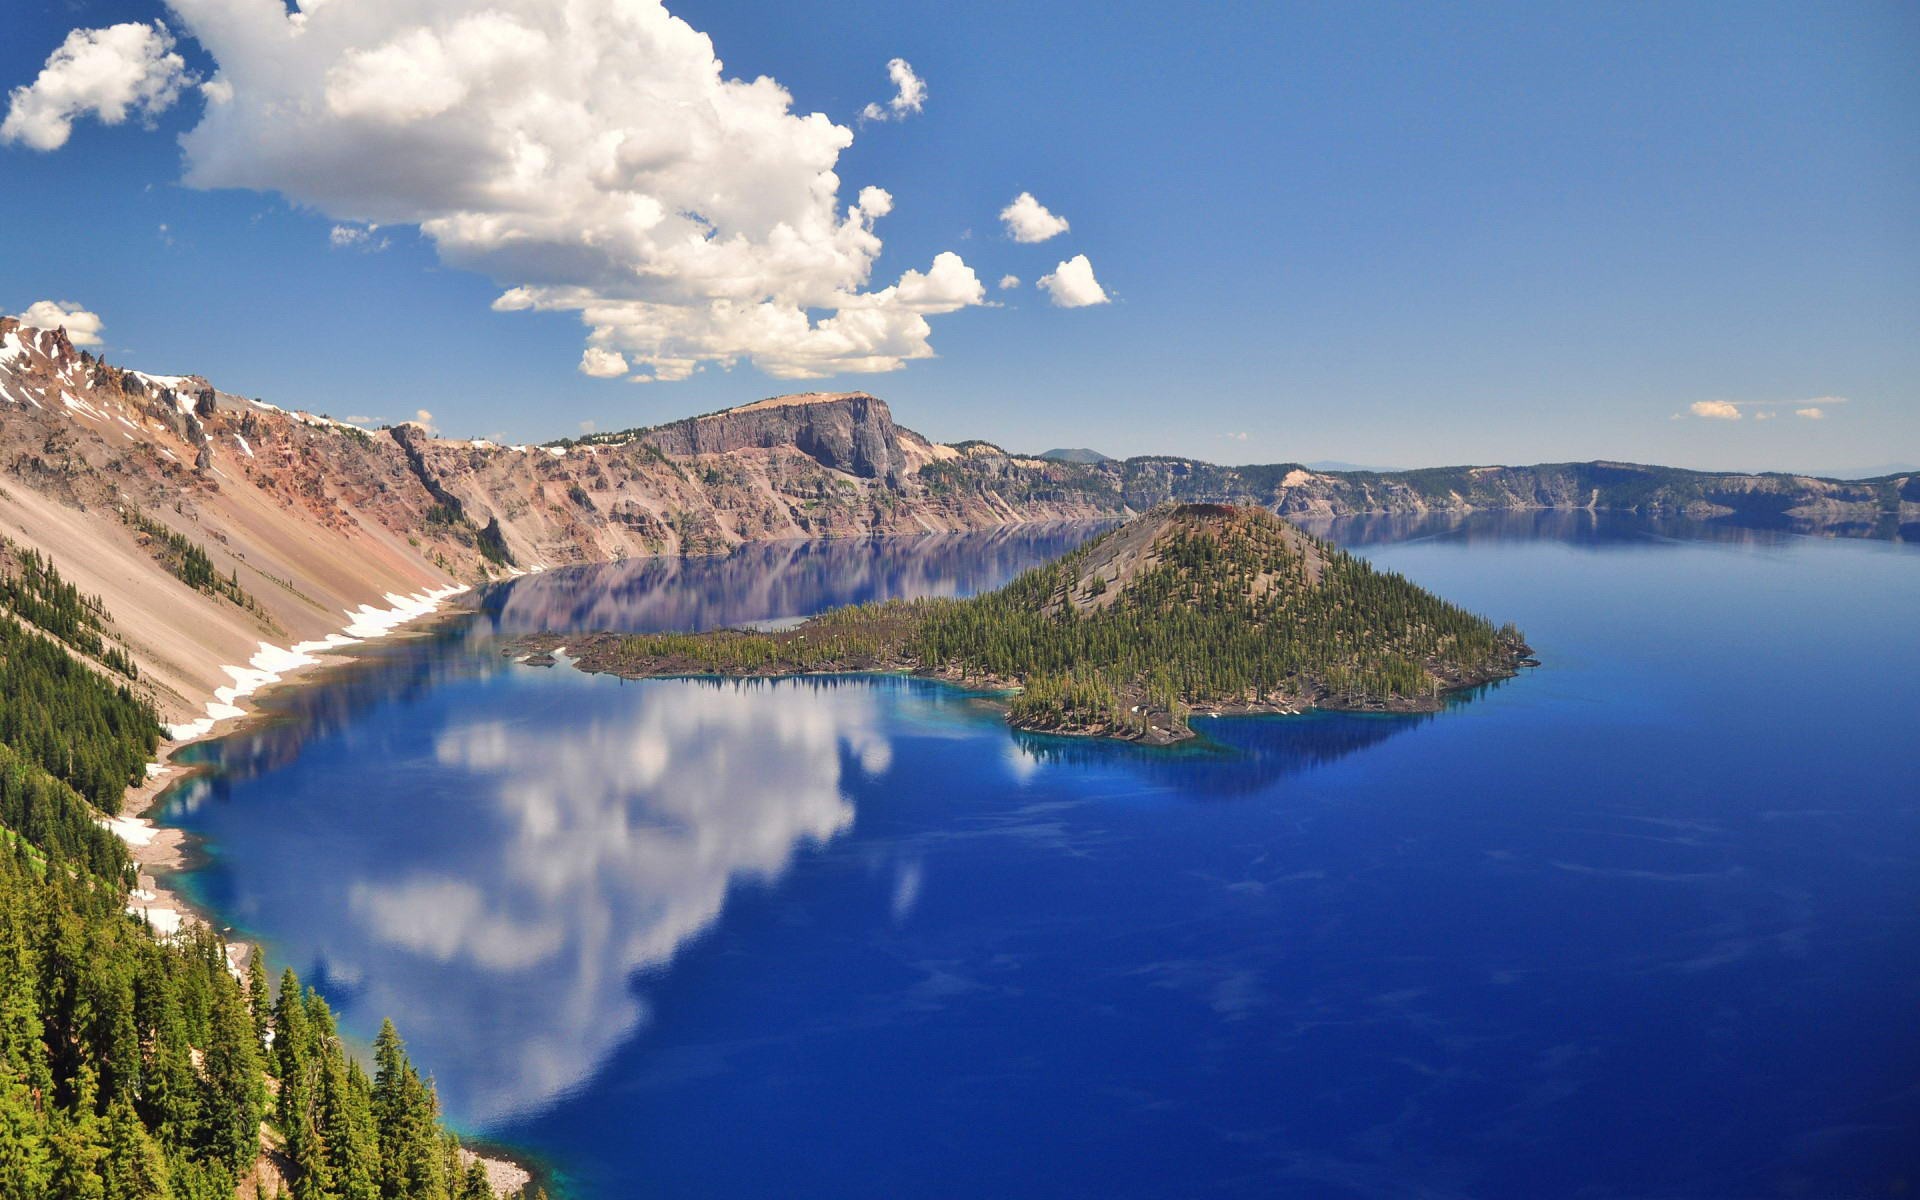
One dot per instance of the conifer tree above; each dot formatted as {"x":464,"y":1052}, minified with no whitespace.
{"x":26,"y":1164}
{"x":259,"y":999}
{"x":234,"y":1094}
{"x":133,"y":1168}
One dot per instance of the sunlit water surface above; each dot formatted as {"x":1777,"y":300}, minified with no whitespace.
{"x":1643,"y":923}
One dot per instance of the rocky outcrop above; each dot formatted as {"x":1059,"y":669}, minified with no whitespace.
{"x":850,"y":432}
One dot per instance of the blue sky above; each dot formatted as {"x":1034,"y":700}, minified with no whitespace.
{"x":1395,"y":235}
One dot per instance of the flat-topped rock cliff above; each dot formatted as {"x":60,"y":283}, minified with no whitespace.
{"x":851,"y":432}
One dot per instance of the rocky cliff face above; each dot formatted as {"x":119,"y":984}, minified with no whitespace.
{"x":303,"y":519}
{"x":849,"y":432}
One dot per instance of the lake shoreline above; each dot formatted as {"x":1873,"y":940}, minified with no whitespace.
{"x":156,"y":847}
{"x":160,"y":851}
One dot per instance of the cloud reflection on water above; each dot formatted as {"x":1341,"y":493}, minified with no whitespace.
{"x":614,"y":841}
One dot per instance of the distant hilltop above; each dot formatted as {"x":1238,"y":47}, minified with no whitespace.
{"x":1078,"y":454}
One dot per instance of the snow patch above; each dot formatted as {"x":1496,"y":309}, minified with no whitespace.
{"x":243,"y":445}
{"x":165,"y":921}
{"x":170,"y":382}
{"x":369,"y":622}
{"x":81,"y":406}
{"x":270,"y":663}
{"x":134,"y":831}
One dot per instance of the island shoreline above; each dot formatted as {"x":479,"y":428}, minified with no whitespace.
{"x":530,"y":649}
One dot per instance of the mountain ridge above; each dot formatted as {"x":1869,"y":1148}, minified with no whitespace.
{"x":296,"y":525}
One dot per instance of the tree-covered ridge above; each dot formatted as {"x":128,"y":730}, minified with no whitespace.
{"x":135,"y":1066}
{"x":1192,"y":606}
{"x":33,"y":590}
{"x":346,"y":1136}
{"x":861,"y":637}
{"x":128,"y":1066}
{"x":1217,"y":607}
{"x":63,"y":717}
{"x":189,"y":562}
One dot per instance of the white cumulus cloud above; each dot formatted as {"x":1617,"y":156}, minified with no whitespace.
{"x":1009,"y":282}
{"x":1812,"y":412}
{"x":1072,"y":284}
{"x":592,"y":157}
{"x":1028,"y":220}
{"x":1716,"y":410}
{"x":110,"y":73}
{"x":602,"y":364}
{"x":83,"y":327}
{"x":909,"y":94}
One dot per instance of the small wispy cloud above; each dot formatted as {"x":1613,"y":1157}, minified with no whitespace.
{"x":1760,"y":410}
{"x":357,"y":237}
{"x":1239,"y":435}
{"x":909,"y":95}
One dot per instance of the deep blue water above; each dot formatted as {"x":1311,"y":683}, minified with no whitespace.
{"x":1642,"y":923}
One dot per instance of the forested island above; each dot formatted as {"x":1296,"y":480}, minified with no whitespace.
{"x":1188,"y":608}
{"x":139,"y":1065}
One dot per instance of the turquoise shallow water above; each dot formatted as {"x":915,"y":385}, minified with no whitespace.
{"x":1643,"y":923}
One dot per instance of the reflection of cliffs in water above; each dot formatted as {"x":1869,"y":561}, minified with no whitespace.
{"x":1236,"y":755}
{"x":772,"y":579}
{"x":1592,"y":529}
{"x":758,"y":582}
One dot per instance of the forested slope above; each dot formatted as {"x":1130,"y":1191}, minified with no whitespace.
{"x":137,"y":1066}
